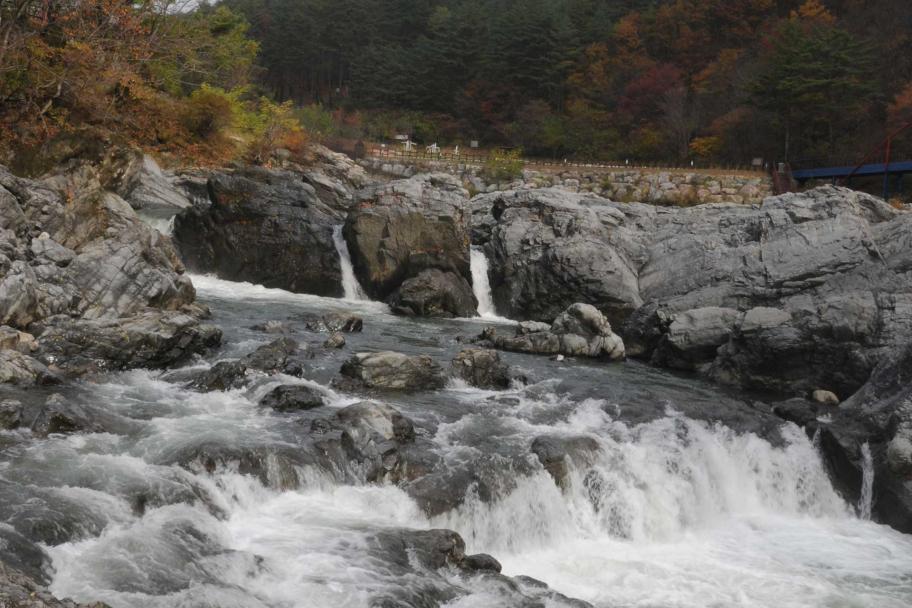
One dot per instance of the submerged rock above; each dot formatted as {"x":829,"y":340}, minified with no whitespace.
{"x":282,"y":355}
{"x":581,"y":330}
{"x":334,"y":322}
{"x":223,"y":376}
{"x":392,"y":371}
{"x":556,"y":452}
{"x":292,"y":397}
{"x":335,"y":340}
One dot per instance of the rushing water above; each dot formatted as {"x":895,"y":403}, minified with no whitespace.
{"x":481,"y":284}
{"x":673,"y":511}
{"x":350,"y":286}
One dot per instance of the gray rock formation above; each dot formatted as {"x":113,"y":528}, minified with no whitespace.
{"x":580,"y":331}
{"x":89,"y":280}
{"x":392,"y":371}
{"x":401,"y":229}
{"x":804,"y":291}
{"x":264,"y":226}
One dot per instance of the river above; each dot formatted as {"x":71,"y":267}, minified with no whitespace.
{"x":676,"y":510}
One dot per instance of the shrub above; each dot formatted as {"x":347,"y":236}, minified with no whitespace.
{"x":209,"y":111}
{"x":503,"y":165}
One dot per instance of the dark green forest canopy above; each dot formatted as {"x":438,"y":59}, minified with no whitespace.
{"x":647,"y":79}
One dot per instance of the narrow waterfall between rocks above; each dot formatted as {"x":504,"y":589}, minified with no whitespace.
{"x":866,"y":499}
{"x":164,"y":225}
{"x":480,"y":283}
{"x":350,"y":286}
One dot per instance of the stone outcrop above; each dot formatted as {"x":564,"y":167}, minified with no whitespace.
{"x":390,"y":370}
{"x":805,"y":291}
{"x":548,"y":249}
{"x":89,"y":282}
{"x":400,"y":231}
{"x":580,"y":331}
{"x":264,"y":226}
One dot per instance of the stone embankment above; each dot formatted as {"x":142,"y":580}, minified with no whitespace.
{"x":647,"y":185}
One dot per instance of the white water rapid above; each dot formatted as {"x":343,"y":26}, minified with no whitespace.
{"x":661,"y":509}
{"x":350,"y":285}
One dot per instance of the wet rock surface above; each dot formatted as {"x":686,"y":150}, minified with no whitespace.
{"x":390,"y":370}
{"x":292,"y":397}
{"x":482,"y":368}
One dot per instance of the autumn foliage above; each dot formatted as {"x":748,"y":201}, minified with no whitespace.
{"x":146,"y":73}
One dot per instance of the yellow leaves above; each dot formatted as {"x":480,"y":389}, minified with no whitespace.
{"x":813,"y":10}
{"x":705,"y":147}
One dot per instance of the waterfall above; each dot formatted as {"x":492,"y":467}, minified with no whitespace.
{"x":164,"y":224}
{"x":480,"y":284}
{"x":350,"y":286}
{"x":866,"y":500}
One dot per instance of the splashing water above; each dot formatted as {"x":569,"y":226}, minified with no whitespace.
{"x":669,"y":511}
{"x":350,"y":286}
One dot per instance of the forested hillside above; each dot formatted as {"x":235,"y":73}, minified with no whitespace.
{"x":646,"y":79}
{"x":662,"y":80}
{"x":161,"y":74}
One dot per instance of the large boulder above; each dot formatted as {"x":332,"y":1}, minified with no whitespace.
{"x":550,"y":248}
{"x":580,"y":331}
{"x":400,"y":229}
{"x":265,"y":226}
{"x":390,"y":370}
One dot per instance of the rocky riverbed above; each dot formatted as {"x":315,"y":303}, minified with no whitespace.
{"x":702,"y":406}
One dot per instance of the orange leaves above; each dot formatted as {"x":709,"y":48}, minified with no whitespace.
{"x":815,"y":11}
